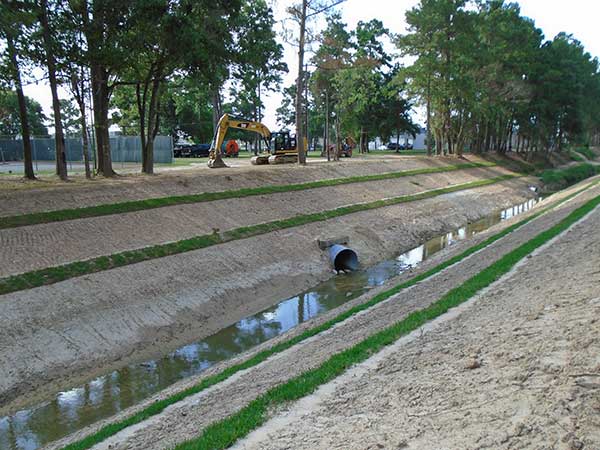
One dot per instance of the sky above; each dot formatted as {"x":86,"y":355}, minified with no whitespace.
{"x":578,"y":17}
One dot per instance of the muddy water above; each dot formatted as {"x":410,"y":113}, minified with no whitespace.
{"x":74,"y":409}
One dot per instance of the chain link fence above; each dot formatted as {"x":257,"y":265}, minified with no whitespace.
{"x":122,"y":148}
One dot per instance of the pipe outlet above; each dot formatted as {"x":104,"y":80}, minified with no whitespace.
{"x":343,"y":258}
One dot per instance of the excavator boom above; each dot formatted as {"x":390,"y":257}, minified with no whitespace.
{"x":215,"y":157}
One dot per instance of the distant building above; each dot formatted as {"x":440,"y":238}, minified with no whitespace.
{"x":418,"y":142}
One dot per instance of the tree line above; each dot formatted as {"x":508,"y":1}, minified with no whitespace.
{"x":146,"y":65}
{"x":486,"y":77}
{"x":489,"y":80}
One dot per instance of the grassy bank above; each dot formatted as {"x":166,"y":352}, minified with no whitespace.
{"x":556,"y":179}
{"x":140,"y":205}
{"x":224,"y":433}
{"x":56,"y":274}
{"x":587,"y":152}
{"x":159,"y":406}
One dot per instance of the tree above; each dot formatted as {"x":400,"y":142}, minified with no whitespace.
{"x":105,"y":26}
{"x":259,"y":64}
{"x":49,"y":46}
{"x":15,"y":17}
{"x":333,"y":55}
{"x":10,"y":116}
{"x":301,"y":13}
{"x":443,"y":40}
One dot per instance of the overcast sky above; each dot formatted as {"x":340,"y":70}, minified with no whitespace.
{"x":579,"y":17}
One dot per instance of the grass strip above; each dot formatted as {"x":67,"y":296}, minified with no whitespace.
{"x":159,"y":406}
{"x":561,"y":178}
{"x":56,"y":274}
{"x":141,"y":205}
{"x":587,"y":152}
{"x":224,"y":433}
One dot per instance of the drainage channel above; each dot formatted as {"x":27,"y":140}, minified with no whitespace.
{"x":105,"y":396}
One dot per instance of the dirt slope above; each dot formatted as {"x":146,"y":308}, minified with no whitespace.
{"x":75,"y":329}
{"x":517,"y":368}
{"x":187,"y":418}
{"x":134,"y":187}
{"x":44,"y":245}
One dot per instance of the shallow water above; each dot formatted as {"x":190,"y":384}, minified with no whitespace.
{"x":104,"y":396}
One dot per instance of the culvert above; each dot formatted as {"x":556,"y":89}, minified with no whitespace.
{"x":343,"y":258}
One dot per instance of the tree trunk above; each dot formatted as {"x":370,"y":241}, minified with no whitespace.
{"x":78,"y":90}
{"x":326,"y":134}
{"x":428,"y":137}
{"x":336,"y":154}
{"x":25,"y":134}
{"x":59,"y":137}
{"x":99,"y":86}
{"x":299,"y":120}
{"x":101,"y":95}
{"x":216,"y":104}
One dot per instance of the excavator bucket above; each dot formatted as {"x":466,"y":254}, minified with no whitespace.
{"x":216,"y":161}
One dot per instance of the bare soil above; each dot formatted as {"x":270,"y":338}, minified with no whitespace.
{"x":21,"y":197}
{"x":478,"y":337}
{"x":38,"y":246}
{"x":59,"y":335}
{"x":516,"y":368}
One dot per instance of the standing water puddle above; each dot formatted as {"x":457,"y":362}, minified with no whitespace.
{"x":103,"y":397}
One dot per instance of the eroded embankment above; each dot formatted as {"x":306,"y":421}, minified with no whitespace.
{"x":58,"y":335}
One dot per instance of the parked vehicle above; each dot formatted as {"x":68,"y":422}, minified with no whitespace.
{"x":200,"y":150}
{"x":182,"y":150}
{"x":394,"y":146}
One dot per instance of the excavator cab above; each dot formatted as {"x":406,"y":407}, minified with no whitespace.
{"x":283,"y":148}
{"x":282,"y":141}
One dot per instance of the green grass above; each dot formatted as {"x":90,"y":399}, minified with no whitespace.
{"x":159,"y":406}
{"x":140,"y":205}
{"x":587,"y":152}
{"x":561,"y":178}
{"x":224,"y":433}
{"x":575,"y":156}
{"x":56,"y":274}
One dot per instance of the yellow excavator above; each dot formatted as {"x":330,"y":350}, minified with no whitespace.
{"x":281,"y":146}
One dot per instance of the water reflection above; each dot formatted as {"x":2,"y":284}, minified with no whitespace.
{"x":100,"y":398}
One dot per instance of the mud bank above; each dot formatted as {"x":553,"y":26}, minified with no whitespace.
{"x":193,"y":181}
{"x":60,"y":335}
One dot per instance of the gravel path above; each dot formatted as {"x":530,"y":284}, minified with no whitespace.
{"x":517,"y":367}
{"x":45,"y":245}
{"x":185,"y":419}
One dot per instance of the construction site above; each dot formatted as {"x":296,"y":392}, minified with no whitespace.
{"x":182,"y":338}
{"x":311,"y":224}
